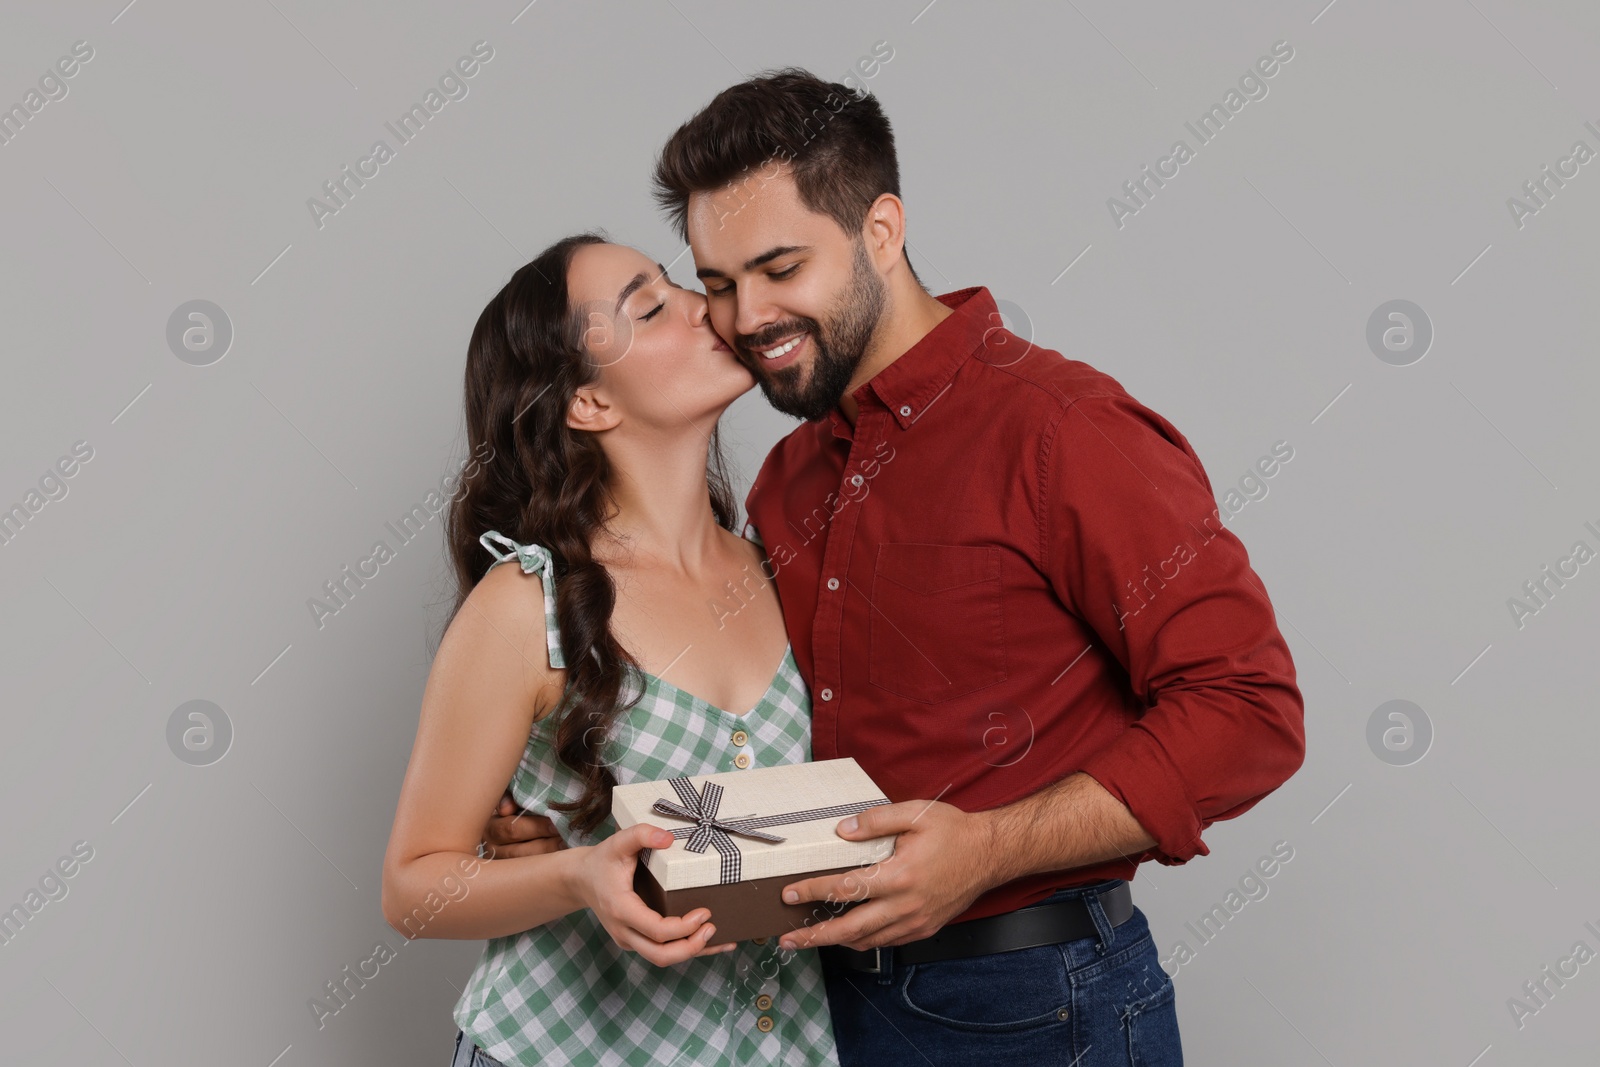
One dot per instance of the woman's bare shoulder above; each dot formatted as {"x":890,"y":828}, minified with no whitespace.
{"x":500,"y":633}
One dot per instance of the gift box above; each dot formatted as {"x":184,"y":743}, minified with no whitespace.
{"x":744,"y":835}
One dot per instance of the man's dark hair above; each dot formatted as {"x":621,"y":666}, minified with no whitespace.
{"x":839,"y":145}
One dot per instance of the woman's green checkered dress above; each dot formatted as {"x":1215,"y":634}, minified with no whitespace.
{"x":565,"y":992}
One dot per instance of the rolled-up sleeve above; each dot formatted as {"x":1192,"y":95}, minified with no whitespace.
{"x":1131,"y":538}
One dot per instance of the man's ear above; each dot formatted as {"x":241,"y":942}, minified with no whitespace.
{"x":591,"y":411}
{"x":884,"y":231}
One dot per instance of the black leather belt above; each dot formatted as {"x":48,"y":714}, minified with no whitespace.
{"x":1037,"y":924}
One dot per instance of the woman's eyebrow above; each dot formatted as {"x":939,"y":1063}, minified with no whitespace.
{"x":633,"y":286}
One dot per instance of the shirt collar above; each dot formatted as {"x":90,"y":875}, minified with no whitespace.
{"x":913,"y":381}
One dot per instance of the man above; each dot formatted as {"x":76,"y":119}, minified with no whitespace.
{"x":1009,"y":590}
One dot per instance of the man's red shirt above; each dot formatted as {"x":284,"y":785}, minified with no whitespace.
{"x":1009,"y":570}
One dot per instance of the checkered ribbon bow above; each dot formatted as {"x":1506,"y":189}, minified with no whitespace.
{"x":701,"y":809}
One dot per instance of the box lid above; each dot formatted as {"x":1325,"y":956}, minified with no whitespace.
{"x":762,"y":800}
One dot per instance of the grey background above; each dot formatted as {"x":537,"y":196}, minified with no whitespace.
{"x":221,"y":898}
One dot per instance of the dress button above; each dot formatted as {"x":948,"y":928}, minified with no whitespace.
{"x":905,"y":409}
{"x":833,"y":583}
{"x":826,"y":694}
{"x":856,"y":479}
{"x":763,"y":1002}
{"x":759,"y":940}
{"x":764,"y":1023}
{"x":740,"y":737}
{"x":742,"y":760}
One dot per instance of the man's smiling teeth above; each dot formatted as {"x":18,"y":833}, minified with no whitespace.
{"x":783,"y":349}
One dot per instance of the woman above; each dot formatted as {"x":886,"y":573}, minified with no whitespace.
{"x":598,"y":383}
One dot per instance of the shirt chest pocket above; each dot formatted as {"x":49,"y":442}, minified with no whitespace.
{"x":937,"y":630}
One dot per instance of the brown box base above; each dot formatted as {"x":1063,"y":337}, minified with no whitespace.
{"x":743,"y":910}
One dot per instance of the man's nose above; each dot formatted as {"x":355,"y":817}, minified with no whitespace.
{"x":752,"y":316}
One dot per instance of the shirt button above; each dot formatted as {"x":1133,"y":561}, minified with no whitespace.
{"x":763,"y":1002}
{"x":742,"y":760}
{"x":759,"y":940}
{"x":826,"y":694}
{"x":740,"y":737}
{"x":833,"y":583}
{"x":764,"y":1024}
{"x":905,"y":409}
{"x":856,"y":479}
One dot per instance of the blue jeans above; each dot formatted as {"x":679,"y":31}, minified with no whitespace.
{"x":1098,"y":1001}
{"x":468,"y":1054}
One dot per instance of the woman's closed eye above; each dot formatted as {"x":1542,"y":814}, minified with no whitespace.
{"x":647,"y":316}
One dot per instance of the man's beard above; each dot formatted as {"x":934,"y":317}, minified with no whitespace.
{"x":840,"y":346}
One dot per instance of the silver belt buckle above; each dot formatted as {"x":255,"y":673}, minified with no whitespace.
{"x":877,"y":962}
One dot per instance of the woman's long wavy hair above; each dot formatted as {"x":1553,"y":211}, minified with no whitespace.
{"x":547,"y":483}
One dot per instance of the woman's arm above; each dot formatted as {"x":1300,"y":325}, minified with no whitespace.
{"x":490,"y":681}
